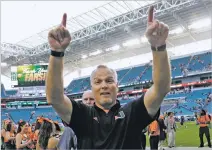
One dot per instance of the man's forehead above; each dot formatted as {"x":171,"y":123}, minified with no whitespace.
{"x":87,"y":94}
{"x":103,"y":77}
{"x":103,"y":70}
{"x":103,"y":73}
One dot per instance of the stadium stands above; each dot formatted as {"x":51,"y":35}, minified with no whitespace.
{"x":11,"y":92}
{"x":180,"y":67}
{"x":194,"y":101}
{"x":25,"y":113}
{"x":200,"y":62}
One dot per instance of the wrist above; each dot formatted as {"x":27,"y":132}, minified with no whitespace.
{"x":57,"y":53}
{"x":57,"y":49}
{"x":159,"y":48}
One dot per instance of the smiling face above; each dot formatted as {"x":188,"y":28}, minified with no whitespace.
{"x":104,"y":87}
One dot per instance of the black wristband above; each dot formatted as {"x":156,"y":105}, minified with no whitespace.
{"x":57,"y":54}
{"x":160,"y":48}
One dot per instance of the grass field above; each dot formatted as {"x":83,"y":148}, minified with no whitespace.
{"x":187,"y":137}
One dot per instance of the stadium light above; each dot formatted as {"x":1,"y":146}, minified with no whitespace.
{"x":84,"y":56}
{"x":3,"y":64}
{"x":95,"y":53}
{"x":144,"y":39}
{"x":114,"y":48}
{"x":131,"y":42}
{"x":176,"y":31}
{"x":201,"y":23}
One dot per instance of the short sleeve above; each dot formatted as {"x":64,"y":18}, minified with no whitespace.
{"x":80,"y":118}
{"x":139,"y":116}
{"x":155,"y":127}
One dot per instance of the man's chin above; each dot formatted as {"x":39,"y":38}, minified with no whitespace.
{"x":106,"y":103}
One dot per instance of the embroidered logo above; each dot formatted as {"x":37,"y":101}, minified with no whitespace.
{"x":95,"y":118}
{"x":120,"y":115}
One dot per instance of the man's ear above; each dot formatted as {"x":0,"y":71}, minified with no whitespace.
{"x":117,"y":88}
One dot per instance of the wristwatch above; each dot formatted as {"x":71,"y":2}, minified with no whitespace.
{"x":160,"y":48}
{"x":57,"y":54}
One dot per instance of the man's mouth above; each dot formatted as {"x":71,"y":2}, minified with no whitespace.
{"x":105,"y":93}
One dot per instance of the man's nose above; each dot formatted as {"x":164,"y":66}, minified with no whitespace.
{"x":88,"y":101}
{"x":104,"y":85}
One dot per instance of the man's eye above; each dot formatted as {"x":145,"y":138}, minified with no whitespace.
{"x":110,"y":81}
{"x":97,"y":82}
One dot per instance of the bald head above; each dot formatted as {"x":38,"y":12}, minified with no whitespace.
{"x":88,"y":98}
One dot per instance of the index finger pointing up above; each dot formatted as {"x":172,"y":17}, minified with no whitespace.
{"x":151,"y":14}
{"x":63,"y":23}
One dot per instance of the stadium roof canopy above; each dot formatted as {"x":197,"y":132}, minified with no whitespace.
{"x":114,"y":31}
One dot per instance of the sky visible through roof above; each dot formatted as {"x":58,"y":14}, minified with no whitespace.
{"x":27,"y":23}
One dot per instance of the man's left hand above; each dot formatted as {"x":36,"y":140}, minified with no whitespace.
{"x":156,"y":32}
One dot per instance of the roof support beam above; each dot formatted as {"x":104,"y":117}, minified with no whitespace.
{"x":183,"y":24}
{"x":161,"y":7}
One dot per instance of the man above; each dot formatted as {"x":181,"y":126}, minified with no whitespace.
{"x":162,"y":137}
{"x":107,"y":125}
{"x":203,"y":121}
{"x":154,"y":133}
{"x":171,"y":129}
{"x":182,"y":121}
{"x":88,"y":98}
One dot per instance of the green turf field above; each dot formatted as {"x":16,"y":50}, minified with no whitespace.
{"x":187,"y":137}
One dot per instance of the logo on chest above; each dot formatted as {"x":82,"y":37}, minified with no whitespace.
{"x":95,"y":118}
{"x":120,"y":115}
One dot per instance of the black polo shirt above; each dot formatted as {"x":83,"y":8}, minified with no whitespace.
{"x":120,"y":128}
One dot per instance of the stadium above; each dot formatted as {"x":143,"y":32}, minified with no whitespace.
{"x":113,"y":34}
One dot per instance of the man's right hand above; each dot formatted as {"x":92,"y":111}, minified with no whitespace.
{"x":59,"y":38}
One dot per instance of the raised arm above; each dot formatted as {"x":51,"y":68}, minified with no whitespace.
{"x":157,"y":33}
{"x":59,"y":39}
